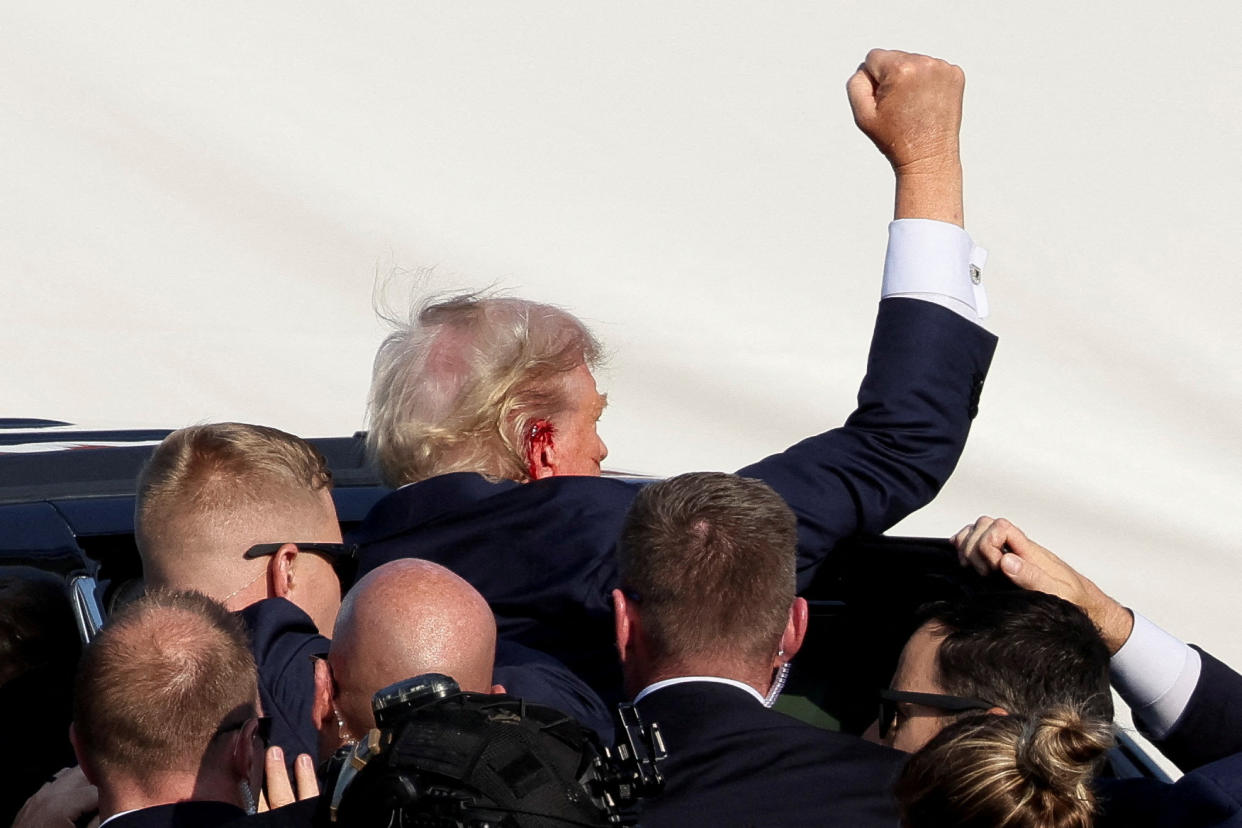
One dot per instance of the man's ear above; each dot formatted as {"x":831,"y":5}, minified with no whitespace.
{"x":245,"y":754}
{"x":87,"y":770}
{"x":280,"y":571}
{"x":541,"y":450}
{"x":626,"y":621}
{"x":322,"y":713}
{"x":795,"y":632}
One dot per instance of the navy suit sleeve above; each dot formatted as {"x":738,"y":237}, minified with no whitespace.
{"x":283,"y":639}
{"x":1210,"y":728}
{"x":1207,"y":797}
{"x":925,"y":372}
{"x":538,"y":677}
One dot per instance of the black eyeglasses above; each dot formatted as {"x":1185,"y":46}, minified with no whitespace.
{"x":332,"y":551}
{"x":889,"y":699}
{"x":264,"y":731}
{"x":342,"y":556}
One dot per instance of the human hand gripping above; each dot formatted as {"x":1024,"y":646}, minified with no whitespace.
{"x":991,"y":544}
{"x":910,"y":106}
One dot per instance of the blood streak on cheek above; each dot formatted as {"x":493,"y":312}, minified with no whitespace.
{"x":538,"y":439}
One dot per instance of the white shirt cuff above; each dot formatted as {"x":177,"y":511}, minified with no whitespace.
{"x":1156,"y":674}
{"x":937,"y":262}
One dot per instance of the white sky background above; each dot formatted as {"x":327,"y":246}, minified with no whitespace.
{"x":196,"y":200}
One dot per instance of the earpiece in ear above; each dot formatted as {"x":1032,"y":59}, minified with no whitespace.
{"x":343,"y":732}
{"x":247,"y":796}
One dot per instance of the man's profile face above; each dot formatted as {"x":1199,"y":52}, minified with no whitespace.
{"x":579,"y":449}
{"x":916,"y":724}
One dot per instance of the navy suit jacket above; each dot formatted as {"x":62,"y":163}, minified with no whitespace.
{"x":180,"y":815}
{"x":283,"y":638}
{"x":1208,"y":797}
{"x":1206,"y":742}
{"x":302,"y":814}
{"x":1210,"y":728}
{"x":732,"y":761}
{"x":541,"y":553}
{"x":537,"y":677}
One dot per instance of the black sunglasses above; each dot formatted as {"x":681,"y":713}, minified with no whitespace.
{"x":264,"y":731}
{"x":332,"y":551}
{"x":889,"y":699}
{"x":342,"y":556}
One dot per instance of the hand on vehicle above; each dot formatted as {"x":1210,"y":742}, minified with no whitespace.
{"x":277,"y":789}
{"x":61,"y":802}
{"x":988,"y":545}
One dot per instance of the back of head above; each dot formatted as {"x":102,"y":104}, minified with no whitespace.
{"x":406,"y":618}
{"x":992,"y":771}
{"x":168,"y":674}
{"x":458,"y":385}
{"x":209,"y":492}
{"x":708,"y":560}
{"x":1022,"y":651}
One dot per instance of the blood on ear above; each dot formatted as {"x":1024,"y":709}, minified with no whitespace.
{"x":538,"y":440}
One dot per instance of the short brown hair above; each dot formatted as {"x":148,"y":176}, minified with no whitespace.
{"x":158,"y":683}
{"x":709,"y":560}
{"x":207,"y":475}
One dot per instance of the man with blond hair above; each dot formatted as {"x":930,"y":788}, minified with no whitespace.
{"x":483,"y":410}
{"x":166,"y":715}
{"x":244,"y":514}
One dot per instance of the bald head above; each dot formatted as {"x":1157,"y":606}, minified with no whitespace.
{"x":403,"y":619}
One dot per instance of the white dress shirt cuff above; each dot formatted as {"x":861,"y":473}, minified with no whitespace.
{"x":937,"y":262}
{"x":1156,"y":674}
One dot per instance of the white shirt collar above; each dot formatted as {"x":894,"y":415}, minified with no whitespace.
{"x":651,"y":688}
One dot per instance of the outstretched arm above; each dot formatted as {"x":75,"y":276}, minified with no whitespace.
{"x":910,"y":106}
{"x":926,"y":366}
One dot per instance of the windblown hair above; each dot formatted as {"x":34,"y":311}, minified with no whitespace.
{"x":159,"y":682}
{"x":219,"y":475}
{"x":1023,"y":651}
{"x":990,"y":771}
{"x":458,"y":385}
{"x":709,"y":559}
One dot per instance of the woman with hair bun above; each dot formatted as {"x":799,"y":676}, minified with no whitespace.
{"x":997,"y":771}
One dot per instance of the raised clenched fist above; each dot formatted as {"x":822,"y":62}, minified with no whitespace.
{"x":910,"y":106}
